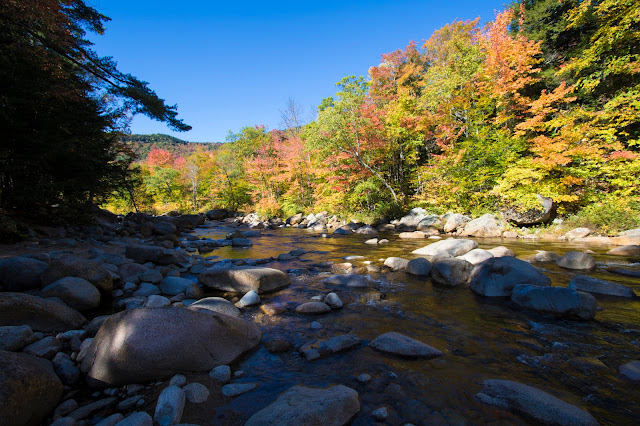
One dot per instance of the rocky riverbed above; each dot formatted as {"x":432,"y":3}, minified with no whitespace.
{"x":232,"y":321}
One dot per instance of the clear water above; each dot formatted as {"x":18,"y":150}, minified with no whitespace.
{"x":482,"y":338}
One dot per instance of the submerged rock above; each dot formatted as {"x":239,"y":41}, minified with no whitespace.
{"x":148,"y":344}
{"x":301,"y":405}
{"x":557,"y":300}
{"x":399,"y":344}
{"x":497,"y":276}
{"x":536,"y":404}
{"x":595,"y":285}
{"x":349,"y":280}
{"x":245,"y":278}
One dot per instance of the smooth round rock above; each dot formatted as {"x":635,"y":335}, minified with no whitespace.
{"x":38,"y":313}
{"x":216,"y":304}
{"x":576,"y":260}
{"x":20,"y":273}
{"x":244,"y":279}
{"x":497,"y":276}
{"x":221,"y":373}
{"x":196,"y":393}
{"x":313,"y":308}
{"x":399,"y":344}
{"x":170,"y":406}
{"x":419,"y":266}
{"x":333,"y":301}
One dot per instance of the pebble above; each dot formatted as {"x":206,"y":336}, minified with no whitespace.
{"x":178,"y":380}
{"x":196,"y":393}
{"x":111,"y":420}
{"x":380,"y":414}
{"x":315,"y":325}
{"x":333,"y":301}
{"x":249,"y":299}
{"x":236,"y":389}
{"x":364,"y":378}
{"x":221,"y":373}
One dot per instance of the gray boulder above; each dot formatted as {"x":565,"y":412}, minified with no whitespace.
{"x":69,"y":265}
{"x":174,"y":285}
{"x":164,"y":228}
{"x":452,"y":247}
{"x":216,"y":304}
{"x":217,"y":214}
{"x":484,"y":226}
{"x":576,"y":260}
{"x":546,"y":256}
{"x":15,"y":337}
{"x":476,"y":256}
{"x":451,"y":272}
{"x":595,"y":285}
{"x":300,"y":405}
{"x":535,"y":404}
{"x":419,"y":266}
{"x":333,"y":345}
{"x":78,"y":293}
{"x":455,"y":221}
{"x":411,"y":220}
{"x":333,"y":301}
{"x":29,"y":389}
{"x":38,"y":313}
{"x":245,"y":278}
{"x":20,"y":273}
{"x":147,"y":344}
{"x":157,"y":255}
{"x":557,"y":300}
{"x":501,"y":251}
{"x":399,"y":344}
{"x":396,"y":263}
{"x":530,"y":217}
{"x":497,"y":276}
{"x":577,"y":233}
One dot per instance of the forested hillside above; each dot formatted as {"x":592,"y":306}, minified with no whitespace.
{"x":545,"y":99}
{"x":141,"y":145}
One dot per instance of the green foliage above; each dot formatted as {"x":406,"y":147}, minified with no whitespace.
{"x":609,"y":216}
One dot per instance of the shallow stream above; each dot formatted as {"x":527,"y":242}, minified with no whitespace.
{"x":482,"y":338}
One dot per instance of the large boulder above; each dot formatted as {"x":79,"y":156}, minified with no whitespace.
{"x":497,"y":276}
{"x":29,"y":389}
{"x":595,"y":285}
{"x":557,"y":300}
{"x":147,"y":344}
{"x":476,"y":256}
{"x":142,"y":254}
{"x":20,"y":273}
{"x":576,"y":260}
{"x":531,"y":217}
{"x":69,"y":265}
{"x":411,"y":220}
{"x":38,"y":313}
{"x":451,"y":272}
{"x":399,"y":344}
{"x":396,"y":263}
{"x":301,"y":405}
{"x":631,"y":250}
{"x":484,"y":226}
{"x":216,"y":304}
{"x":455,"y":221}
{"x":15,"y":337}
{"x":78,"y":293}
{"x":452,"y":247}
{"x":244,"y":279}
{"x":535,"y":404}
{"x":217,"y":214}
{"x":419,"y":266}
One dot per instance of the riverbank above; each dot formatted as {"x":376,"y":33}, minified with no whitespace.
{"x":479,"y":337}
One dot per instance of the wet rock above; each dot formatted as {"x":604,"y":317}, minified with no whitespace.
{"x":170,"y":406}
{"x":20,"y":273}
{"x":349,"y":280}
{"x":216,"y":304}
{"x":235,"y":389}
{"x":380,"y":414}
{"x":275,"y":346}
{"x":323,"y":348}
{"x":174,"y":285}
{"x":163,"y":341}
{"x":272,"y":309}
{"x":451,"y":246}
{"x":419,"y":266}
{"x":157,"y":255}
{"x":546,"y":256}
{"x":301,"y":405}
{"x":87,"y":410}
{"x":241,"y":242}
{"x":396,"y":263}
{"x":343,"y":230}
{"x":38,"y":313}
{"x":451,"y":272}
{"x":625,"y":272}
{"x":139,"y":418}
{"x":476,"y":256}
{"x":15,"y":337}
{"x":221,"y":373}
{"x":630,"y":371}
{"x":69,"y":265}
{"x":196,"y":393}
{"x":78,"y":293}
{"x":249,"y":299}
{"x":333,"y":301}
{"x":536,"y":404}
{"x":399,"y":344}
{"x":595,"y":285}
{"x":29,"y":389}
{"x":497,"y":276}
{"x":557,"y":300}
{"x":217,"y":214}
{"x":244,"y":279}
{"x":628,"y":250}
{"x":577,"y":233}
{"x":313,"y":308}
{"x":501,"y":251}
{"x":576,"y":260}
{"x":484,"y":226}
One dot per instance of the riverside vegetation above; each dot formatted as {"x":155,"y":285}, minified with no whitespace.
{"x":456,"y":311}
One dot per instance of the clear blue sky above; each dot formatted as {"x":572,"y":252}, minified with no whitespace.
{"x":230,"y":64}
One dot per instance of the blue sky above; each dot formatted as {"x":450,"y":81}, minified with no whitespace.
{"x":235,"y":63}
